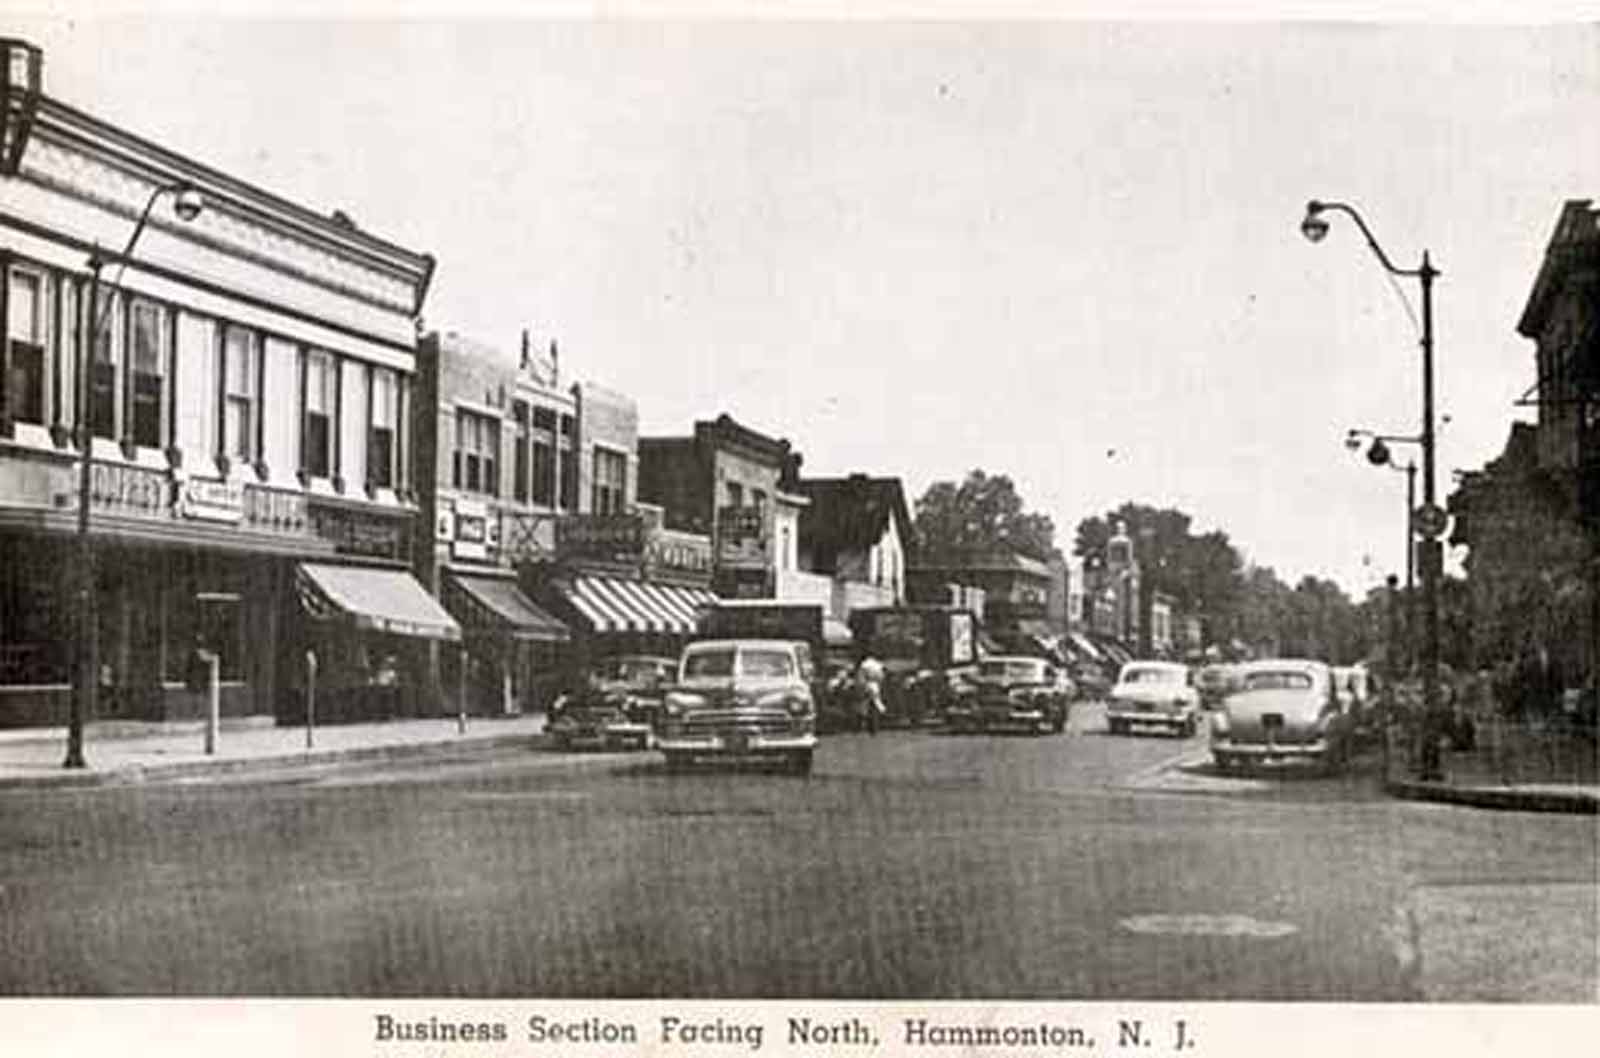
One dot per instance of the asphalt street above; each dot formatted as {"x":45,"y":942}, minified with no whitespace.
{"x":911,"y":865}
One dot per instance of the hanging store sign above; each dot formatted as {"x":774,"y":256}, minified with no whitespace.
{"x":211,"y":500}
{"x":474,"y":530}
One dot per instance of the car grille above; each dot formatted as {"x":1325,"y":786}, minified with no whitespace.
{"x":737,"y":722}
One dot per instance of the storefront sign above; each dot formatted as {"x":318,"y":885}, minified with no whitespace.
{"x":475,"y":530}
{"x":355,"y":533}
{"x":669,"y":553}
{"x":129,"y":489}
{"x":741,"y":539}
{"x":601,"y":538}
{"x":211,"y":500}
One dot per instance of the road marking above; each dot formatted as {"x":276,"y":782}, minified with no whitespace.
{"x":1207,"y":926}
{"x":1190,"y":755}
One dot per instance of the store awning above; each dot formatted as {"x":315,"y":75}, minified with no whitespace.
{"x":1084,"y":647}
{"x":611,"y":604}
{"x":378,"y":600}
{"x":496,"y":605}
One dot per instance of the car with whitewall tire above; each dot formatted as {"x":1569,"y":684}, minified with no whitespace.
{"x":740,"y":700}
{"x":1157,"y":695}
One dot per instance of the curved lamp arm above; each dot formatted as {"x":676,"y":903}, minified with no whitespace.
{"x":1315,"y":228}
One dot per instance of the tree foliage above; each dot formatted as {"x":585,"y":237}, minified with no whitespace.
{"x":984,"y":513}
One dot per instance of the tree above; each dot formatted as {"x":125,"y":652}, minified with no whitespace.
{"x":1203,"y":573}
{"x":984,"y":513}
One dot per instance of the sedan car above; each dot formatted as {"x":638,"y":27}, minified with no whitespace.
{"x":1283,"y":711}
{"x":1154,"y":694}
{"x":1014,"y":692}
{"x":617,"y":707}
{"x":741,"y":699}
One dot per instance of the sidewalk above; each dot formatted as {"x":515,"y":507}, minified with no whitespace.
{"x":1528,"y":766}
{"x":121,"y":752}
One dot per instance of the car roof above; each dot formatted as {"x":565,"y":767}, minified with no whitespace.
{"x":1282,"y":665}
{"x":657,"y":658}
{"x":726,"y":644}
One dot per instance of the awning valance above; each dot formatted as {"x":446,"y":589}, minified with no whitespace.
{"x":496,"y":605}
{"x":611,"y":604}
{"x":378,"y":600}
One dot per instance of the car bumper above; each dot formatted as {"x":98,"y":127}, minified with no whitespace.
{"x":606,"y":736}
{"x":1270,"y":753}
{"x":733,"y":745}
{"x":1140,"y":718}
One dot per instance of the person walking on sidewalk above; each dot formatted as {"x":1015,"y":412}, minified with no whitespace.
{"x":869,"y":675}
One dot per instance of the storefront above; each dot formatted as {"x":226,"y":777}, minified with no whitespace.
{"x":510,"y":645}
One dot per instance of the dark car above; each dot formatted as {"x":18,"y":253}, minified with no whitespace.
{"x":1012,"y":692}
{"x":617,"y":707}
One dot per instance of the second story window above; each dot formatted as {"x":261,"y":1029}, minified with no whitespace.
{"x":103,"y":372}
{"x":148,"y":335}
{"x":240,"y":375}
{"x":610,"y":491}
{"x":316,"y":430}
{"x":477,"y":466}
{"x":519,"y":451}
{"x":543,"y":471}
{"x":569,"y":463}
{"x":381,"y":440}
{"x":24,"y":381}
{"x":735,"y":494}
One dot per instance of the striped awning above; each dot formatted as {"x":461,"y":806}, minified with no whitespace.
{"x":377,"y":600}
{"x":1086,"y":648}
{"x":611,"y":604}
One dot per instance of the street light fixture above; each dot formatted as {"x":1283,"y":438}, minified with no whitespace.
{"x":1315,"y":226}
{"x":188,"y":203}
{"x":1378,"y":455}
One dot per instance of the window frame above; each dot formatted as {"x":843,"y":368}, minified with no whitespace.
{"x":35,"y":347}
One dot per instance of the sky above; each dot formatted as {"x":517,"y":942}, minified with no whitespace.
{"x":1063,"y":250}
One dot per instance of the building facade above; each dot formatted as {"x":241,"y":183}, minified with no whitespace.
{"x":241,"y":373}
{"x":854,"y":535}
{"x":729,"y":482}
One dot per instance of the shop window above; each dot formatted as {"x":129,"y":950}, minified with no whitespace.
{"x":543,"y":470}
{"x":381,"y":436}
{"x":103,"y":371}
{"x":148,"y":332}
{"x":519,"y":452}
{"x":240,"y":375}
{"x":24,"y":378}
{"x":316,"y":432}
{"x":610,"y":489}
{"x":569,"y":463}
{"x":477,"y":453}
{"x":36,"y":619}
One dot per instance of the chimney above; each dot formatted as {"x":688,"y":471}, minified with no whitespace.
{"x":525,"y":361}
{"x":555,"y":364}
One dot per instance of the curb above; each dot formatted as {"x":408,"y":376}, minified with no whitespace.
{"x":1503,"y":799}
{"x":137,"y":773}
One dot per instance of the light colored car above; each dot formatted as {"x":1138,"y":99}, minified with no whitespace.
{"x":1215,"y":682}
{"x":1017,"y":692}
{"x":741,"y":699}
{"x":1154,"y":694}
{"x":1283,"y":711}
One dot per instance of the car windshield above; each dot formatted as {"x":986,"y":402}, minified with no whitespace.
{"x":633,"y":671}
{"x":1153,"y":676}
{"x":766,"y":664}
{"x":1277,"y":680}
{"x":703,"y":663}
{"x":1008,"y":670}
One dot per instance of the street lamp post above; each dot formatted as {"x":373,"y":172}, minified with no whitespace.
{"x":1315,"y":226}
{"x":1378,"y":455}
{"x":187,"y":204}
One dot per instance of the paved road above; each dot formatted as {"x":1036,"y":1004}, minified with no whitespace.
{"x":911,"y":865}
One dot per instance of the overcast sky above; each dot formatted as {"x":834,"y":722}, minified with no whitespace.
{"x":1064,"y":251}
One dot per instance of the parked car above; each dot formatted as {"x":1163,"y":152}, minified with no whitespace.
{"x":1158,"y":694}
{"x":1215,"y":682}
{"x":617,"y":707}
{"x":1283,"y":711}
{"x":1012,"y":691}
{"x":741,"y":699}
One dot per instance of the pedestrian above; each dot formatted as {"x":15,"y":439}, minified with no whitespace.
{"x":869,"y":675}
